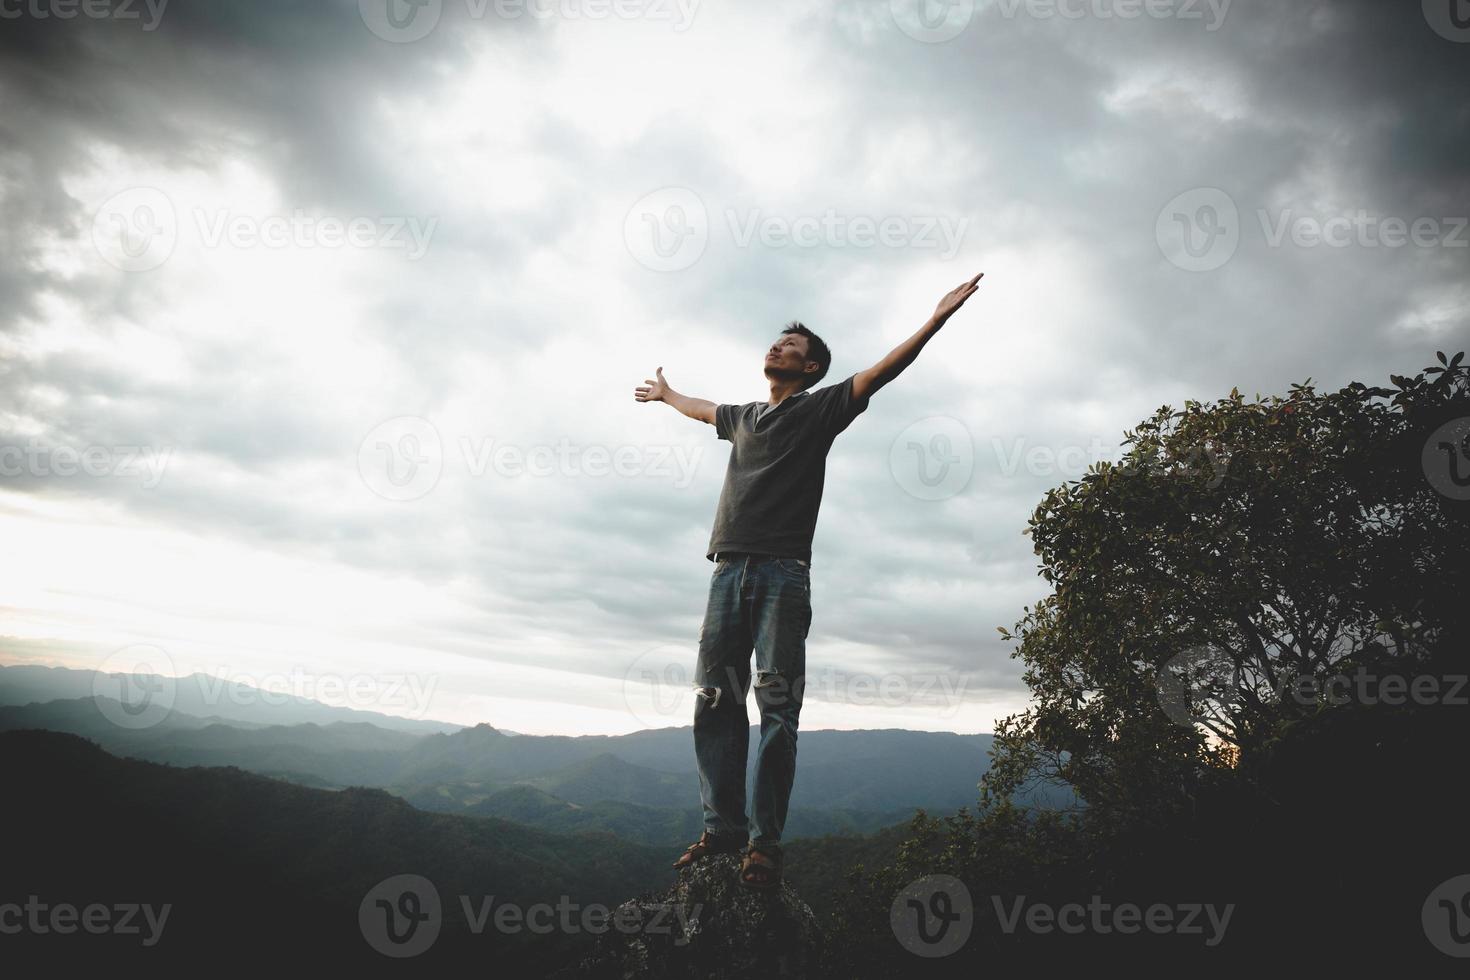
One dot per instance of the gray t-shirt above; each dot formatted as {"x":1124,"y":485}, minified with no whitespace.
{"x":778,"y":462}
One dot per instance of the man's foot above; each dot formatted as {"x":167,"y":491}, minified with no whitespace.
{"x":761,"y":867}
{"x":708,"y":843}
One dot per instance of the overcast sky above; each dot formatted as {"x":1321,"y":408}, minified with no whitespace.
{"x":319,"y":321}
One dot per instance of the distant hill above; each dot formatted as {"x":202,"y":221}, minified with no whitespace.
{"x":876,"y":770}
{"x":266,"y":872}
{"x":203,"y":696}
{"x":606,"y":776}
{"x":642,"y":786}
{"x":868,"y":772}
{"x":337,"y":754}
{"x":668,"y":827}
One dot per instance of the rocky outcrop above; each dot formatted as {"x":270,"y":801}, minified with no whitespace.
{"x":708,"y":926}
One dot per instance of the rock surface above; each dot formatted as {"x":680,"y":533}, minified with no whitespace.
{"x":709,"y":925}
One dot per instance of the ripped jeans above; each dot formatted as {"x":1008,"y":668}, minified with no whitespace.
{"x":763,"y":603}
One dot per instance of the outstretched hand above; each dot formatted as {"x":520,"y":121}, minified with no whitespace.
{"x":655,"y":390}
{"x":955,"y":298}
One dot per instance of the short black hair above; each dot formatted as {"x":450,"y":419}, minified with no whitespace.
{"x":816,"y":350}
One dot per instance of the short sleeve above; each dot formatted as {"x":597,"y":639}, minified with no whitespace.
{"x":725,"y":418}
{"x":835,"y":406}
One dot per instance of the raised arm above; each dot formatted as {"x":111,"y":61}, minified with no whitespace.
{"x":658,"y":390}
{"x":865,"y":383}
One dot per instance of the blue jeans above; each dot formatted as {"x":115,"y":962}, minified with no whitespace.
{"x":761,"y":603}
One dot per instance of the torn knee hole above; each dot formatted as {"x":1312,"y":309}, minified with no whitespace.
{"x":767,"y":678}
{"x":710,"y":694}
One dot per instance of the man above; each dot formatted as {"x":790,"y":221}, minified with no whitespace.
{"x":760,"y":592}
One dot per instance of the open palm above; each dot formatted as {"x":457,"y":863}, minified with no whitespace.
{"x":654,"y":390}
{"x":956,"y":297}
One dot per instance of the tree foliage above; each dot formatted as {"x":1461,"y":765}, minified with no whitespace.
{"x":1211,"y":585}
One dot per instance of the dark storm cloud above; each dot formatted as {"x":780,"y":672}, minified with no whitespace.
{"x":296,"y":84}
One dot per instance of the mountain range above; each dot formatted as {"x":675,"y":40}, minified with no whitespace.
{"x":641,"y":786}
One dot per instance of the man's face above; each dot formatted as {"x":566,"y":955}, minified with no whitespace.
{"x":786,"y":358}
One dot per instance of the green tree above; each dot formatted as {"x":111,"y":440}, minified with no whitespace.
{"x":1211,"y":585}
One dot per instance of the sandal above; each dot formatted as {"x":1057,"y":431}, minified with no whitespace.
{"x":761,"y":867}
{"x":708,"y":843}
